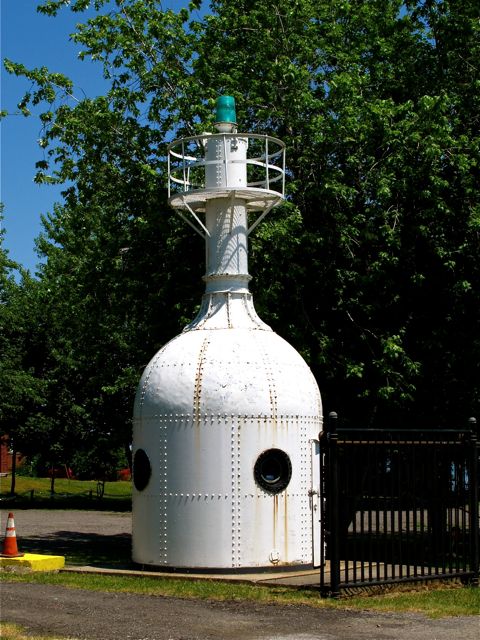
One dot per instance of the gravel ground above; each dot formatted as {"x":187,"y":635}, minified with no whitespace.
{"x":106,"y":616}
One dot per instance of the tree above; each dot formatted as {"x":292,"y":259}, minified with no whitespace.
{"x":21,"y":389}
{"x":376,"y":246}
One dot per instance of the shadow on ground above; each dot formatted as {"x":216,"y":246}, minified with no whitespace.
{"x":81,"y":548}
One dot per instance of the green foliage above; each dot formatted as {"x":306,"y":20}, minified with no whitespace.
{"x":21,"y":390}
{"x":375,"y":249}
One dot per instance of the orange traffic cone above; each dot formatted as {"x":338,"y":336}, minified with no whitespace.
{"x":10,"y":549}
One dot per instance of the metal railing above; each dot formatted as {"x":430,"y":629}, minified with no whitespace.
{"x":265,"y":162}
{"x":398,"y":505}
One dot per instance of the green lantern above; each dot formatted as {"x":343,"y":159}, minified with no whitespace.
{"x":225,"y":110}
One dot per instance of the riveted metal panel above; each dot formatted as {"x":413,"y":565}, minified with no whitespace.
{"x":210,"y":512}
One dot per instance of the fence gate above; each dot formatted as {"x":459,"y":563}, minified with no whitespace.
{"x":398,"y":506}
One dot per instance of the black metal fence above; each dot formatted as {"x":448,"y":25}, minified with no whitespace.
{"x":398,"y":505}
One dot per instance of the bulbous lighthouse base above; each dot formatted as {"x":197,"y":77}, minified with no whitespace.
{"x":226,"y":425}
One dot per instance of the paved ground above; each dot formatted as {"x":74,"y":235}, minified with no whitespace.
{"x":107,"y":616}
{"x":83,"y":537}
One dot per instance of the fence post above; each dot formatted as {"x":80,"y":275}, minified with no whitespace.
{"x":474,"y":523}
{"x":333,"y":507}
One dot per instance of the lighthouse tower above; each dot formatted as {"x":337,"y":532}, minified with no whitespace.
{"x":227,"y":414}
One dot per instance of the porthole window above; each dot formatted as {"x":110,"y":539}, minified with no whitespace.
{"x":273,"y":470}
{"x":141,"y":470}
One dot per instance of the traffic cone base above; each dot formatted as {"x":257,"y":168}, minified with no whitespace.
{"x":10,"y":549}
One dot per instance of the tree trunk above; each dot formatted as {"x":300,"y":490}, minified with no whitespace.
{"x":52,"y":483}
{"x":14,"y":470}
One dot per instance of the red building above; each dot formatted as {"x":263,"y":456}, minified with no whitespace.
{"x":6,"y":456}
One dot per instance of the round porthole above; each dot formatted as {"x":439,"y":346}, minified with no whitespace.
{"x":141,"y":470}
{"x":273,"y":470}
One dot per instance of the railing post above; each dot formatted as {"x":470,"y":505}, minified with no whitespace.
{"x":474,"y":496}
{"x":334,"y":506}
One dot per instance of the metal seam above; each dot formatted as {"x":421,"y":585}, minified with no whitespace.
{"x":233,"y":471}
{"x":164,"y":483}
{"x":272,"y":392}
{"x":197,"y":391}
{"x":227,"y":306}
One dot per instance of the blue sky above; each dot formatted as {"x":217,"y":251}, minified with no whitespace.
{"x":35,"y":40}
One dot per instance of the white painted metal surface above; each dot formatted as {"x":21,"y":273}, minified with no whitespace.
{"x":217,"y":397}
{"x":315,"y":506}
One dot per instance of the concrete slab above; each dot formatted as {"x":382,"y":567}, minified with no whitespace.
{"x":294,"y":579}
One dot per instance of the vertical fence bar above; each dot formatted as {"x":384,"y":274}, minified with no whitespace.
{"x":370,"y":507}
{"x":444,"y":506}
{"x":398,"y":559}
{"x":422,"y":510}
{"x":380,"y":475}
{"x":458,"y":492}
{"x":349,"y":475}
{"x":373,"y":553}
{"x":408,"y":506}
{"x":385,"y":509}
{"x":473,"y":507}
{"x":415,"y":531}
{"x":323,"y":511}
{"x":431,"y":524}
{"x":450,"y":517}
{"x":463,"y":501}
{"x":392,"y":514}
{"x":366,"y":513}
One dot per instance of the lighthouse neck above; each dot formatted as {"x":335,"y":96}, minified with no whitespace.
{"x":226,"y":246}
{"x":226,"y":216}
{"x":227,"y":303}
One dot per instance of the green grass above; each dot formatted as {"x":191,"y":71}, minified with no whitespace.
{"x":68,"y":493}
{"x":16,"y":632}
{"x":433,"y":602}
{"x":24,"y":484}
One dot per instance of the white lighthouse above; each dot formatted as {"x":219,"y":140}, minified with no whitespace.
{"x":227,"y":414}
